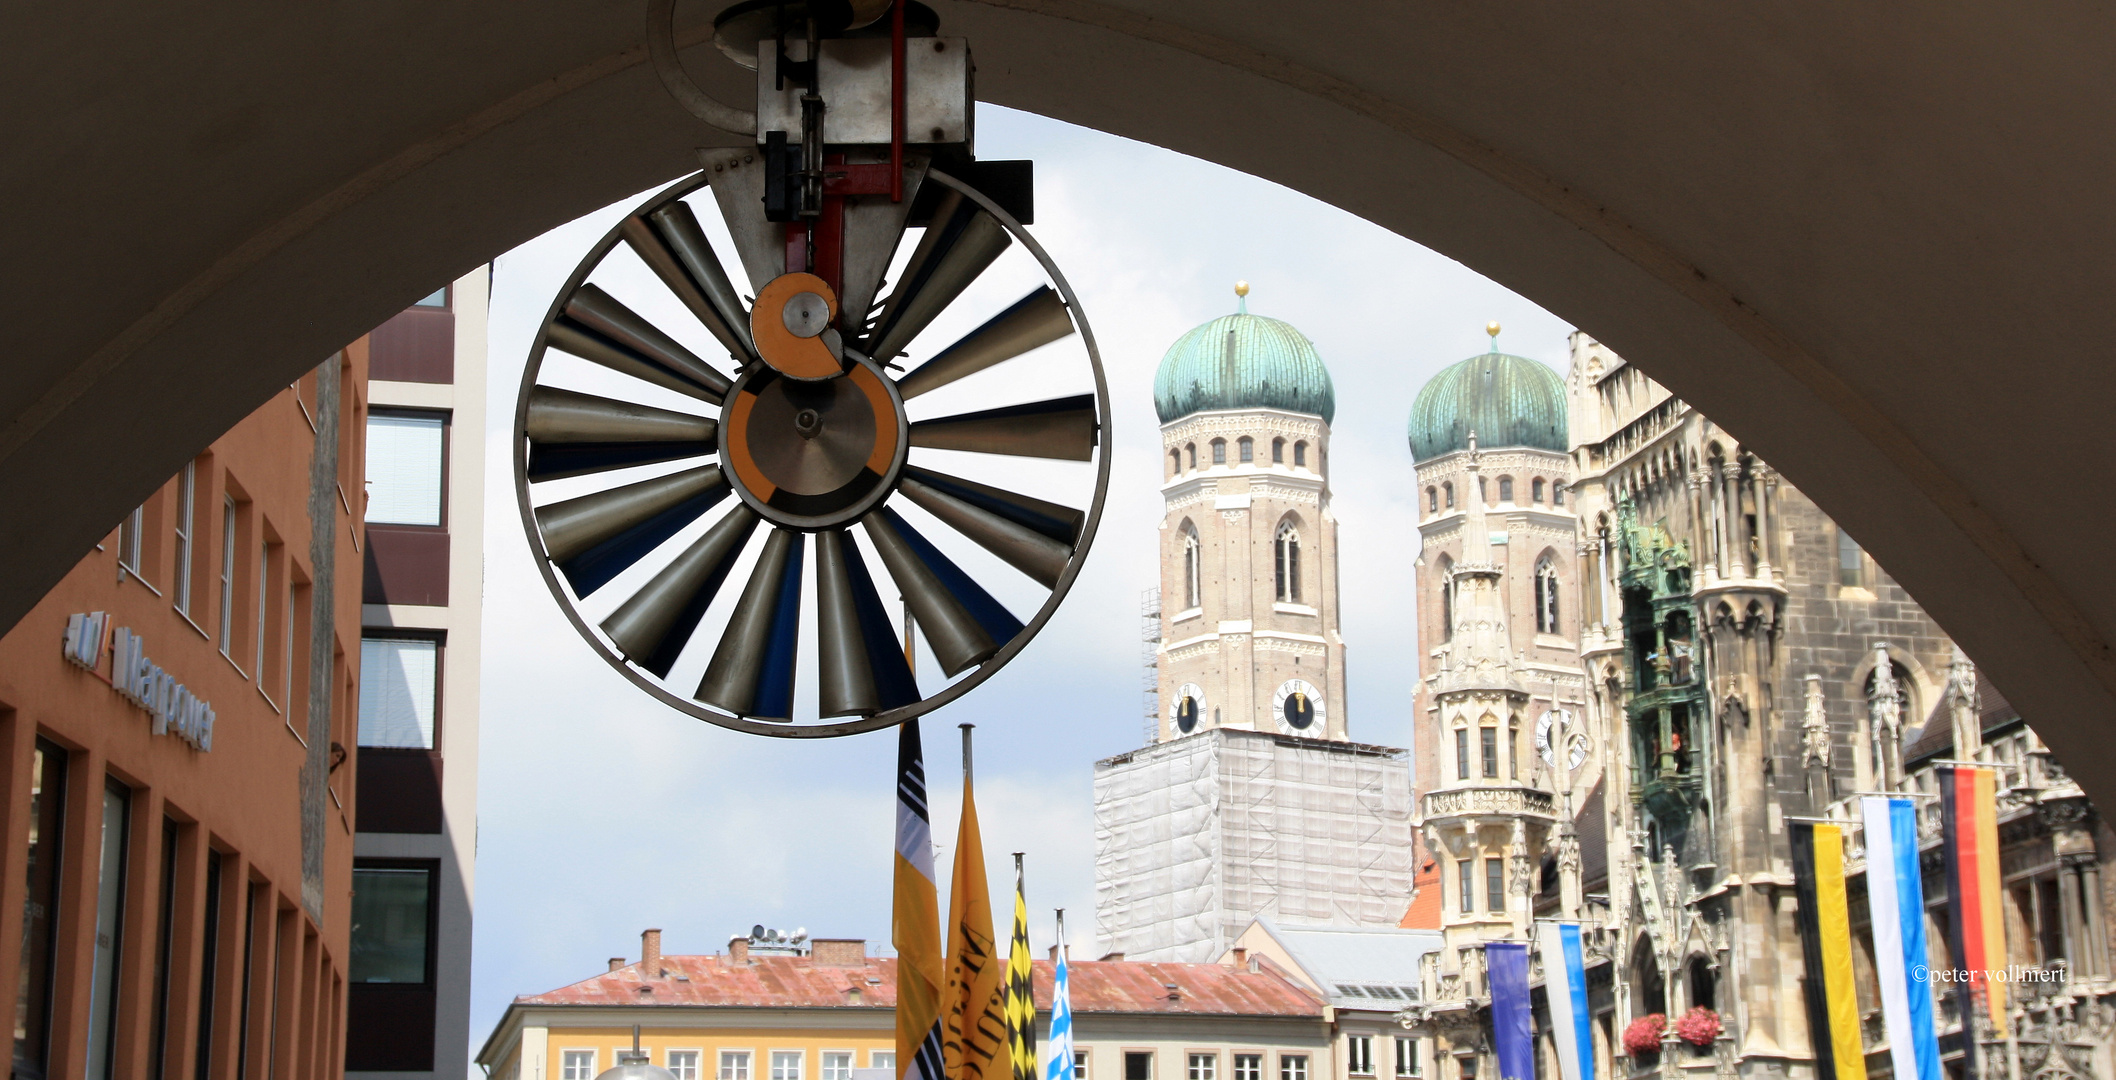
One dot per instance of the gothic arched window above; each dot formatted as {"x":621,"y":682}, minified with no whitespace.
{"x":1286,"y":563}
{"x":1461,"y":753}
{"x":1557,"y":494}
{"x":1506,"y":489}
{"x":1191,"y":449}
{"x":1175,"y":463}
{"x":1535,"y":490}
{"x":1300,"y":455}
{"x":1546,"y":596}
{"x":1247,"y":448}
{"x":1193,"y":580}
{"x":1447,"y":599}
{"x":1278,"y":451}
{"x":1219,"y":451}
{"x":1449,"y":490}
{"x":1432,"y":500}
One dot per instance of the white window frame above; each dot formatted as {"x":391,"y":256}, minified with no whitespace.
{"x":186,"y":534}
{"x":697,"y":1060}
{"x":1293,"y":1067}
{"x":228,"y":523}
{"x":1191,"y":1061}
{"x":823,"y":1057}
{"x":1081,"y":1062}
{"x":736,"y":1064}
{"x":1359,"y":1051}
{"x":800,"y":1069}
{"x":565,"y":1063}
{"x":1407,"y":1063}
{"x":1254,"y":1061}
{"x":881,"y":1059}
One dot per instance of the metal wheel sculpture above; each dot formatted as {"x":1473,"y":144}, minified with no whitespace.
{"x":721,"y":536}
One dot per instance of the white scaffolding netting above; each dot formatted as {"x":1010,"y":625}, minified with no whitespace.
{"x":1197,"y":836}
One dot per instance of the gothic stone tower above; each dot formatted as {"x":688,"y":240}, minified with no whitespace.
{"x":1252,"y":800}
{"x":1504,"y":758}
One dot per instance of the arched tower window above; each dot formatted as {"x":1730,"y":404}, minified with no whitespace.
{"x":1191,"y":450}
{"x":1535,"y":491}
{"x":1432,"y":500}
{"x":1286,"y":563}
{"x":1461,"y":753}
{"x":1219,"y":451}
{"x":1449,"y":490}
{"x":1300,"y":455}
{"x":1193,"y":579}
{"x":1175,"y":463}
{"x":1546,"y":595}
{"x":1447,"y":599}
{"x":1506,"y":489}
{"x":1247,"y":446}
{"x":1278,"y":451}
{"x":1557,"y":494}
{"x":1851,"y":562}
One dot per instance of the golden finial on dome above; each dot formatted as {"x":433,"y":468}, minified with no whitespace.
{"x":1492,"y":328}
{"x":1241,"y":288}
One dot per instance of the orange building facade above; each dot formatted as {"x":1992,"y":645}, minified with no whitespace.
{"x":176,"y":811}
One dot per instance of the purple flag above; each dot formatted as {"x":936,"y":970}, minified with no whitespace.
{"x":1507,"y":962}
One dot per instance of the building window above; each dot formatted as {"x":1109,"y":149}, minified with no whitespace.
{"x":1079,"y":1065}
{"x":399,"y":680}
{"x":1286,"y":563}
{"x":1300,"y":455}
{"x":109,"y":930}
{"x":1468,"y":1063}
{"x":1359,"y":1055}
{"x":186,"y":528}
{"x":1489,"y":743}
{"x":1219,"y":451}
{"x":786,"y":1064}
{"x":1248,"y":1067}
{"x":404,"y":468}
{"x":1407,"y":1056}
{"x":837,"y":1065}
{"x":1190,"y":450}
{"x":227,"y":576}
{"x":1851,"y":562}
{"x":882,"y":1059}
{"x":129,"y":532}
{"x":392,"y":938}
{"x":1447,"y":598}
{"x":209,"y":958}
{"x":683,"y":1064}
{"x":1461,"y":753}
{"x":1432,"y":500}
{"x":40,"y":908}
{"x":1484,"y":490}
{"x":1175,"y":463}
{"x":577,"y":1065}
{"x":1465,"y":884}
{"x":1193,"y":581}
{"x":1245,"y":448}
{"x":1557,"y":494}
{"x":1138,"y":1065}
{"x":1495,"y":885}
{"x":1204,"y":1066}
{"x":1293,"y":1067}
{"x":1546,"y":596}
{"x":1448,"y":489}
{"x":1278,"y":451}
{"x":734,"y":1064}
{"x":1506,"y":489}
{"x":439,"y":299}
{"x":1535,"y":490}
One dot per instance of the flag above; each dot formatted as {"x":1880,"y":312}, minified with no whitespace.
{"x":1020,"y":998}
{"x":973,"y":1018}
{"x":915,"y":922}
{"x":1895,"y":895}
{"x":1969,"y":818}
{"x":1506,"y":962}
{"x":1565,"y":987}
{"x":1058,"y":1057}
{"x":1825,"y":941}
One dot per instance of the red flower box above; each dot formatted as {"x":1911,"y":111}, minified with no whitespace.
{"x":1643,"y":1036}
{"x":1698,"y":1027}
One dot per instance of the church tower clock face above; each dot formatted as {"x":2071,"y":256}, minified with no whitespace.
{"x":1553,"y":727}
{"x":1299,"y":707}
{"x":1188,"y":705}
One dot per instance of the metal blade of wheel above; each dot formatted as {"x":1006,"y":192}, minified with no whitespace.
{"x":653,"y":626}
{"x":951,"y":267}
{"x":1033,"y":321}
{"x":873,"y":227}
{"x":962,"y":621}
{"x":596,"y":537}
{"x":1061,"y":428}
{"x":751,"y":673}
{"x":598,"y":311}
{"x":861,"y":672}
{"x":571,"y":434}
{"x":1026,"y":550}
{"x":655,"y":247}
{"x":894,"y":682}
{"x":569,"y":336}
{"x":1059,"y":522}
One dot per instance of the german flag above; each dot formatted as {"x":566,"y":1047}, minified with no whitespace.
{"x":915,"y":920}
{"x":1021,"y":999}
{"x":1969,"y":843}
{"x":1826,"y":945}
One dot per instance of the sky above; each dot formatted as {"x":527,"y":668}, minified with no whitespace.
{"x":603,"y":812}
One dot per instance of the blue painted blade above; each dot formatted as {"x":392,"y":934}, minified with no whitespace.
{"x":775,"y":681}
{"x":893,"y":681}
{"x":989,"y":613}
{"x":592,"y":569}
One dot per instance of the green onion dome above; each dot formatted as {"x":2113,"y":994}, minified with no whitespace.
{"x":1507,"y":400}
{"x":1243,"y":361}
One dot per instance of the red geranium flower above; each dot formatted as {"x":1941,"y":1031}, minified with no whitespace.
{"x":1643,"y":1036}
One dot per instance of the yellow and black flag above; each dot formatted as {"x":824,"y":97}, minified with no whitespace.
{"x":1824,"y":917}
{"x":1021,"y":997}
{"x":915,"y":921}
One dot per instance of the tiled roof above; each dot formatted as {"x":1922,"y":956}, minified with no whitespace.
{"x":1424,"y":912}
{"x":797,"y":982}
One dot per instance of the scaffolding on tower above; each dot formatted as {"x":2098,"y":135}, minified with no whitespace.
{"x":1150,"y":659}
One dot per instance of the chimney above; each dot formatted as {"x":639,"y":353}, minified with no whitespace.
{"x":650,"y":954}
{"x":838,"y":952}
{"x":616,"y":962}
{"x":738,"y":950}
{"x":1054,"y":954}
{"x":1113,"y":958}
{"x":1241,"y":956}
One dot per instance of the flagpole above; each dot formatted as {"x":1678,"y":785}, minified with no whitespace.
{"x":966,"y":771}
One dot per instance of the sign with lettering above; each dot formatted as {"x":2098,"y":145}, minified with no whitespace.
{"x":175,"y":709}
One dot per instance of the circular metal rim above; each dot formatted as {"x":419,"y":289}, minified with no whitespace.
{"x":986,"y":669}
{"x":836,"y":519}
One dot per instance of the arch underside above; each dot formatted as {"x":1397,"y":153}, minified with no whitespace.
{"x":1872,"y":245}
